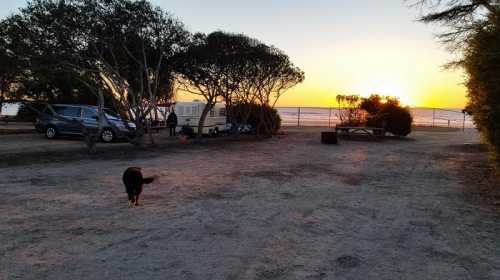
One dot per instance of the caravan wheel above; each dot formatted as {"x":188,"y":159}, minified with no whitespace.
{"x":215,"y":132}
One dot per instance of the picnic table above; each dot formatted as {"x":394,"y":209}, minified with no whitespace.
{"x":372,"y":132}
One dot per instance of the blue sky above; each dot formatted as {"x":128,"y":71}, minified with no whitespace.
{"x":350,"y":47}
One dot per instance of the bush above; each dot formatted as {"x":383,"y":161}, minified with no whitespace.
{"x":372,"y":105}
{"x":398,"y":120}
{"x":387,"y":113}
{"x":350,"y":113}
{"x":482,"y":64}
{"x":263,"y":119}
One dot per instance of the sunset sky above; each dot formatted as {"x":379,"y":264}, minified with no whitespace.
{"x":344,"y":47}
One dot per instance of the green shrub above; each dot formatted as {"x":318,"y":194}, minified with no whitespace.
{"x":372,"y":105}
{"x":388,"y":113}
{"x":350,"y":113}
{"x":263,"y":119}
{"x":482,"y":64}
{"x":398,"y":120}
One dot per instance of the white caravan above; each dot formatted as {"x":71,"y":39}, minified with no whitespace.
{"x":188,"y":114}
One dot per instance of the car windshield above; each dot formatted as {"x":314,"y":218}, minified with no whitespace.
{"x":111,"y":114}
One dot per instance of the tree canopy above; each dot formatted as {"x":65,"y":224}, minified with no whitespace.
{"x":474,"y":34}
{"x":133,"y":54}
{"x":236,"y":69}
{"x":482,"y":65}
{"x":69,"y":48}
{"x":460,"y":17}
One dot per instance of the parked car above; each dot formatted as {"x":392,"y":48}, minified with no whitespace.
{"x":53,"y":127}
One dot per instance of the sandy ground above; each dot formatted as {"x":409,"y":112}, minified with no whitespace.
{"x":285,"y":208}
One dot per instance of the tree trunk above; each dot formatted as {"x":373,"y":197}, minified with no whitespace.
{"x":139,"y":135}
{"x":203,"y":116}
{"x":231,"y":118}
{"x":150,"y":133}
{"x":156,"y":113}
{"x":90,"y":137}
{"x":138,"y":139}
{"x":264,"y":124}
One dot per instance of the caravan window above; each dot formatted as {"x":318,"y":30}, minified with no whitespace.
{"x":188,"y":111}
{"x":180,"y":110}
{"x":212,"y":113}
{"x":222,"y":112}
{"x":196,"y":111}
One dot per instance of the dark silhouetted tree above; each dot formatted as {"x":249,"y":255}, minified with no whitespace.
{"x":473,"y":33}
{"x":349,"y":112}
{"x":461,"y":17}
{"x":123,"y":48}
{"x":387,"y":112}
{"x":237,"y":69}
{"x":482,"y":65}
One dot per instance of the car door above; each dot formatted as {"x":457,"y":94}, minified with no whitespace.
{"x":89,"y":117}
{"x":71,"y":113}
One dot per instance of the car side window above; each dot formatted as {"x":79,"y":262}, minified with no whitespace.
{"x":71,"y":112}
{"x":89,"y":113}
{"x":58,"y":109}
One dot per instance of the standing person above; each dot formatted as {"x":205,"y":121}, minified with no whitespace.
{"x":172,"y":122}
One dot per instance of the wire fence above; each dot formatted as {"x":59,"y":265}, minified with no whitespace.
{"x":328,"y":117}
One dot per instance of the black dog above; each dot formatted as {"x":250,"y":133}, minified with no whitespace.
{"x":133,"y":180}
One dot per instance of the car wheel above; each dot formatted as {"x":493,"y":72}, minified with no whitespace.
{"x":107,"y":135}
{"x":50,"y":132}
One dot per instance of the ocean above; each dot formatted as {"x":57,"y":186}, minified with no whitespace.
{"x":295,"y":116}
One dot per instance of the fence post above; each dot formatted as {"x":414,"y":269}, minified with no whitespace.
{"x":330,"y":119}
{"x":463,"y":124}
{"x":298,"y":117}
{"x":433,"y":116}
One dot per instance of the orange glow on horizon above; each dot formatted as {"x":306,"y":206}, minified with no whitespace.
{"x":417,"y":79}
{"x":411,"y":72}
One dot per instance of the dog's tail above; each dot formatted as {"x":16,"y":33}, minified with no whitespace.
{"x":149,"y":180}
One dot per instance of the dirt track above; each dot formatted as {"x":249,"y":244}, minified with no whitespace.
{"x":286,"y":208}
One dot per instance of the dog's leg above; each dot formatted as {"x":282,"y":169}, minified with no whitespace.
{"x":130,"y":199}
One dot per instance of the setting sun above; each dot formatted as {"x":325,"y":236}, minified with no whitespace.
{"x":387,"y":87}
